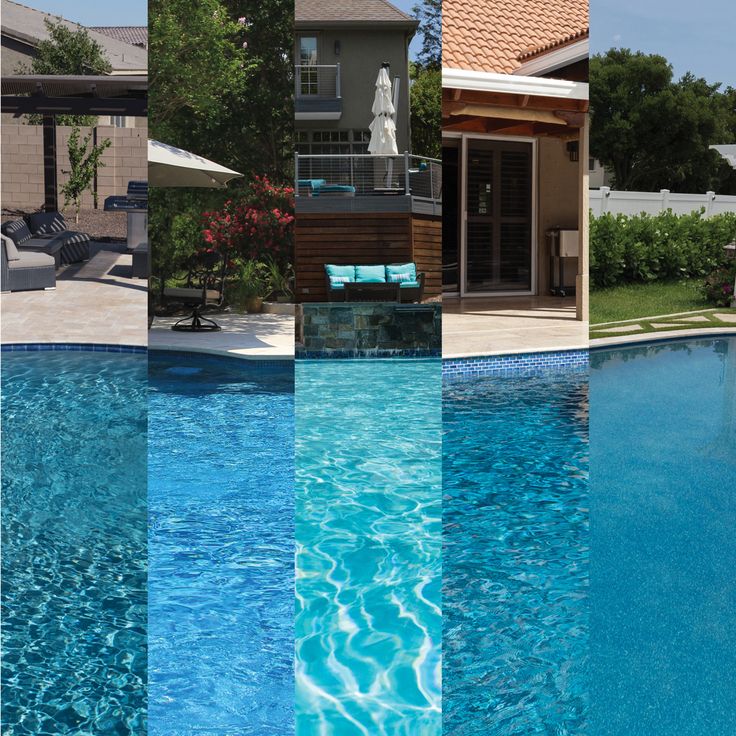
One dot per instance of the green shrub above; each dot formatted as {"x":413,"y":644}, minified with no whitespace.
{"x":718,"y":287}
{"x":642,"y":248}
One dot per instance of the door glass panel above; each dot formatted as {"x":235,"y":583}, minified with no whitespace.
{"x":450,"y":222}
{"x":499,"y":217}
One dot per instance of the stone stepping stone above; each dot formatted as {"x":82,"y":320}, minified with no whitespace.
{"x":666,"y":325}
{"x":727,"y":317}
{"x":694,"y":318}
{"x":623,"y":328}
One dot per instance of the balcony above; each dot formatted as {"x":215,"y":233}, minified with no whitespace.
{"x":368,"y":183}
{"x":317,"y":92}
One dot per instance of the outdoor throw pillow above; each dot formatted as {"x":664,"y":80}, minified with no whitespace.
{"x":44,"y":223}
{"x":339,"y":281}
{"x":370,"y":274}
{"x":17,"y":231}
{"x":401,"y":272}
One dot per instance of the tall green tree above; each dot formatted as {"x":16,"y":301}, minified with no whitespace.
{"x":67,"y":51}
{"x":653,"y":132}
{"x":429,"y":14}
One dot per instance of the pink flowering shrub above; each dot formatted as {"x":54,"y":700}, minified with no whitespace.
{"x":719,"y":285}
{"x":258,"y":226}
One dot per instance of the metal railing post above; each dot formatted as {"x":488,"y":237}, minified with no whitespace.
{"x":431,"y":180}
{"x":407,"y":189}
{"x":337,"y":82}
{"x":296,"y":174}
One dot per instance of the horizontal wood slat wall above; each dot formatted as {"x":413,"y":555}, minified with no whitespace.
{"x":351,"y":238}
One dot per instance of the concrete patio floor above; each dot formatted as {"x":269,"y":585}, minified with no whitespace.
{"x":473,"y":327}
{"x":94,"y":302}
{"x":251,"y":336}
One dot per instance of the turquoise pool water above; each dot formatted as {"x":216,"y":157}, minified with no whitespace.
{"x":663,"y":515}
{"x":73,"y":543}
{"x":368,"y":531}
{"x":221,"y":547}
{"x":515,"y":555}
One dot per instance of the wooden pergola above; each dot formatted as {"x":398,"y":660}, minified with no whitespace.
{"x":52,"y":95}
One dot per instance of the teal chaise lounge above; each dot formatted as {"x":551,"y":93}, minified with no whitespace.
{"x":379,"y":278}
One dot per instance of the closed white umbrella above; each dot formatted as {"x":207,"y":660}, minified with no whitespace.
{"x":169,"y":166}
{"x":383,"y":127}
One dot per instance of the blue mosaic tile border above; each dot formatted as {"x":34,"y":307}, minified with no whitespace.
{"x":367,"y":354}
{"x":515,"y":363}
{"x":218,"y":357}
{"x":71,"y":346}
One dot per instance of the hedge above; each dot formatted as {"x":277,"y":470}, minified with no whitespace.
{"x":641,"y":248}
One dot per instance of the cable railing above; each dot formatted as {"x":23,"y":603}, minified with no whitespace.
{"x":358,"y":175}
{"x":317,"y":81}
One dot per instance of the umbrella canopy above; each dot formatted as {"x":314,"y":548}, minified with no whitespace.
{"x":383,"y":127}
{"x":728,"y":152}
{"x":169,"y":166}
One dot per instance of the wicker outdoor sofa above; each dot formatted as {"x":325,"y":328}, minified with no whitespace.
{"x":25,"y":270}
{"x":46,"y":232}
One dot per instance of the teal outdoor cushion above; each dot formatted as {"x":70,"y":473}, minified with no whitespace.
{"x":370,"y":274}
{"x":401,"y":272}
{"x":339,"y":275}
{"x":409,"y":285}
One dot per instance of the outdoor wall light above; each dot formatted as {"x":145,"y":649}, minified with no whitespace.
{"x":337,"y":48}
{"x":573,"y":150}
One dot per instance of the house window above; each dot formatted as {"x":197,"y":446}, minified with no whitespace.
{"x":118,"y":121}
{"x":332,"y":143}
{"x":307,"y":71}
{"x":591,"y":164}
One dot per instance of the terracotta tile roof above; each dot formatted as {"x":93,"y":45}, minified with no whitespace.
{"x":345,"y":12}
{"x":493,"y":35}
{"x":135,"y":35}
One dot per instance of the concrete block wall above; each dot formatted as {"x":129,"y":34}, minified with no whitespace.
{"x":21,"y":154}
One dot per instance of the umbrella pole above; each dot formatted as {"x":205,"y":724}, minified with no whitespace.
{"x":390,"y":173}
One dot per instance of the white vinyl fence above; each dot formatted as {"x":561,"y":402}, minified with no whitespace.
{"x":634,"y":203}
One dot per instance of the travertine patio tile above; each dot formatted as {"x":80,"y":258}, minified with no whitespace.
{"x":726,"y":317}
{"x":622,"y":328}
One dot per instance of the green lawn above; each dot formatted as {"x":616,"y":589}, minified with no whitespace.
{"x":645,"y":300}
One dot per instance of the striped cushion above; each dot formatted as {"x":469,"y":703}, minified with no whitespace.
{"x":394,"y":277}
{"x":17,"y":231}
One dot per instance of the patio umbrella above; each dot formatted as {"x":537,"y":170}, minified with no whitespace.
{"x":383,"y":127}
{"x":169,"y":166}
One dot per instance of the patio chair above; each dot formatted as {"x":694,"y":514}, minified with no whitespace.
{"x":205,"y":287}
{"x":46,"y":232}
{"x":25,"y":271}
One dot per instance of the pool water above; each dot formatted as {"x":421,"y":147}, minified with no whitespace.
{"x":515,"y":555}
{"x":73,"y":543}
{"x":663,"y":517}
{"x":221,"y":547}
{"x":368,"y":531}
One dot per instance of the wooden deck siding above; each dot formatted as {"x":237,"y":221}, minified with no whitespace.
{"x":351,"y":238}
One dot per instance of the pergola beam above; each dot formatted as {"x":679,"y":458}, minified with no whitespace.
{"x":33,"y":105}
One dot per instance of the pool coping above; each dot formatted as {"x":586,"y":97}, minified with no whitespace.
{"x":223,"y":353}
{"x":623,"y":340}
{"x":262,"y":362}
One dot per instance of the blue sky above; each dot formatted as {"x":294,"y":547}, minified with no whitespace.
{"x":693,"y":36}
{"x":406,"y":6}
{"x":95,"y":12}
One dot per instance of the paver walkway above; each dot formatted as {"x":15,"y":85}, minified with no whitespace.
{"x":94,"y":302}
{"x":254,"y":336}
{"x":480,"y":326}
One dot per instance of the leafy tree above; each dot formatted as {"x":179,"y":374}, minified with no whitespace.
{"x":429,"y":15}
{"x":653,"y":132}
{"x":67,"y":51}
{"x":426,"y":111}
{"x":84,"y":164}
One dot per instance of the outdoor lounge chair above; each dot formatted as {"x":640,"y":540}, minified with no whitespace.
{"x":24,"y":271}
{"x":46,"y":232}
{"x":374,"y":277}
{"x":205,"y":287}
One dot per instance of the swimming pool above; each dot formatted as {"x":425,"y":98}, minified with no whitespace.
{"x":368,"y":530}
{"x":73,"y":543}
{"x":221,"y":546}
{"x":515,"y":554}
{"x":663,"y":515}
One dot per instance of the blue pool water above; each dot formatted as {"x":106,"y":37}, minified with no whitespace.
{"x":368,"y":586}
{"x":663,"y":524}
{"x":515,"y":555}
{"x":221,"y":547}
{"x":73,"y":543}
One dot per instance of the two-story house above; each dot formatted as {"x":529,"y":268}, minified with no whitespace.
{"x":339,"y":49}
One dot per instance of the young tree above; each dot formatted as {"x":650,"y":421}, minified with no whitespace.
{"x":426,"y":111}
{"x":84,"y":165}
{"x":429,"y":14}
{"x":67,"y":52}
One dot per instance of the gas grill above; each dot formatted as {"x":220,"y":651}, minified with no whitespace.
{"x":135,"y":203}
